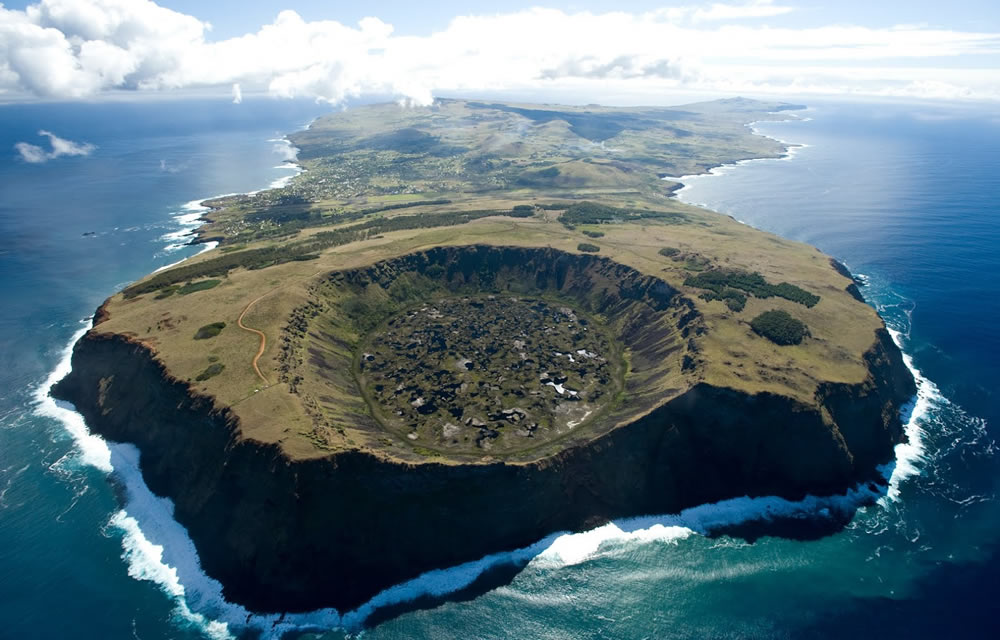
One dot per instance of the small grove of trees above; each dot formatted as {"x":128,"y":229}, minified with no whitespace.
{"x":732,"y":286}
{"x":309,"y":249}
{"x":211,"y":371}
{"x":587,"y":247}
{"x":209,"y":331}
{"x":593,"y":213}
{"x":289,"y":221}
{"x":779,"y":327}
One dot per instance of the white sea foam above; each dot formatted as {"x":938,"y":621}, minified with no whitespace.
{"x":792,"y":149}
{"x":93,"y":450}
{"x":189,"y":215}
{"x":207,"y":246}
{"x":188,"y":218}
{"x":574,"y":548}
{"x":144,"y":560}
{"x":910,"y":454}
{"x":284,"y":180}
{"x":157,"y":548}
{"x":160,"y":550}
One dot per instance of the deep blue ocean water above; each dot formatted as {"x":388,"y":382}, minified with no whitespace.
{"x":903,"y":194}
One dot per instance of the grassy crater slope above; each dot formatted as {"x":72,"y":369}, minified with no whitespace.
{"x":632,"y":321}
{"x":336,"y":319}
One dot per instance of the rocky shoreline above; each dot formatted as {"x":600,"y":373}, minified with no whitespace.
{"x":284,"y":535}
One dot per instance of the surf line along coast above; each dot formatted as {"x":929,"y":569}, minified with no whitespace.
{"x":475,"y":460}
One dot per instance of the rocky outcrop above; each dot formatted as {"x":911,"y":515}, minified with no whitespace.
{"x":851,"y":288}
{"x":284,"y":535}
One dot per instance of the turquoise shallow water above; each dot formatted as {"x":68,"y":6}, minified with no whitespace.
{"x":903,"y":194}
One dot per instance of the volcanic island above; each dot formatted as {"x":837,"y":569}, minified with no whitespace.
{"x":466,"y":326}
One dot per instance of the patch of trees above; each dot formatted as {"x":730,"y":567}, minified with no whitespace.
{"x":732,"y":287}
{"x":275,"y":215}
{"x":337,"y":237}
{"x":201,"y":285}
{"x":190,"y":287}
{"x":594,"y":213}
{"x":402,"y":205}
{"x":587,"y":247}
{"x":779,"y":327}
{"x":593,"y":234}
{"x":220,"y":266}
{"x":303,"y":250}
{"x":211,"y":371}
{"x":289,"y":222}
{"x":209,"y":331}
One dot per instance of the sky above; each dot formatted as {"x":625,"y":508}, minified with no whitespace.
{"x":334,"y":50}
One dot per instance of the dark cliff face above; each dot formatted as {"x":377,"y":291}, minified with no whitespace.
{"x":867,"y":415}
{"x":292,"y":536}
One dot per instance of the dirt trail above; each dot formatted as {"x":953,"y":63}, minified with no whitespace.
{"x":263,"y":338}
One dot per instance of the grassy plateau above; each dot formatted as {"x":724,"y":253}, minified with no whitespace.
{"x":348,"y":310}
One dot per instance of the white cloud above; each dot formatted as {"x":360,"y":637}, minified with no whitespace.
{"x":77,"y":48}
{"x":722,"y":11}
{"x":237,"y":93}
{"x":59,"y":147}
{"x":31,"y":153}
{"x":756,"y":9}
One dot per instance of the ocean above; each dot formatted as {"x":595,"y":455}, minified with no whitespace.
{"x":905,"y":195}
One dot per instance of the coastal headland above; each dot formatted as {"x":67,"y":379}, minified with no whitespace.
{"x":466,"y":326}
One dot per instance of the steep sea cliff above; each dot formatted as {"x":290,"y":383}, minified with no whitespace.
{"x":284,"y":535}
{"x":917,"y":221}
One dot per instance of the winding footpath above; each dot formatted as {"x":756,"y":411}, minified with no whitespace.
{"x":263,"y":338}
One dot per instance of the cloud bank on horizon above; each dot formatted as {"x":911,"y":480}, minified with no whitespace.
{"x":70,"y":49}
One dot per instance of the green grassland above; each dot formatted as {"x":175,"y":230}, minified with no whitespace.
{"x":364,"y":161}
{"x":385,"y":181}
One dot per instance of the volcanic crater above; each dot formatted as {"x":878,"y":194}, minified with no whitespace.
{"x":474,"y":350}
{"x":489,"y":371}
{"x":302,"y":488}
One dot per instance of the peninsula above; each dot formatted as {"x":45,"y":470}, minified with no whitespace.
{"x":466,"y":326}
